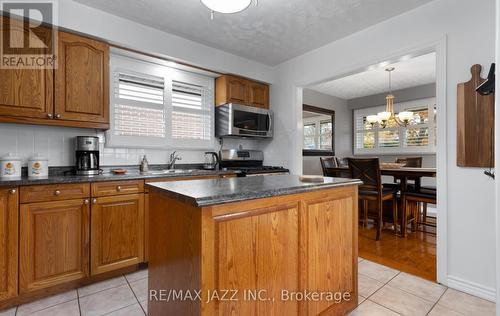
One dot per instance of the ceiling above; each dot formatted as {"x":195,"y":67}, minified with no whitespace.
{"x":271,"y":32}
{"x":409,"y":73}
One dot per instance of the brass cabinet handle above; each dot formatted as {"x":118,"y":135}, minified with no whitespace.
{"x":49,"y":115}
{"x":86,"y":201}
{"x":58,"y":116}
{"x":57,"y":192}
{"x":12,"y":191}
{"x":94,"y":201}
{"x":119,"y":188}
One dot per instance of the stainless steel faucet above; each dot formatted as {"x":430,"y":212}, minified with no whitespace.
{"x":173,"y":158}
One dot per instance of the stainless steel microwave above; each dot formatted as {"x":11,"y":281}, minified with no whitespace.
{"x":236,"y":120}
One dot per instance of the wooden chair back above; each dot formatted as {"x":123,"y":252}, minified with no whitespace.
{"x":327,"y":164}
{"x":368,"y":171}
{"x":412,"y":162}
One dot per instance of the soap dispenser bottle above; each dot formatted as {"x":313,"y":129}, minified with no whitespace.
{"x":144,"y":165}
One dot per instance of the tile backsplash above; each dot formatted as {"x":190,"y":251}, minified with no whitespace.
{"x":58,"y":145}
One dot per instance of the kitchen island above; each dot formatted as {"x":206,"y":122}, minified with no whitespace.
{"x":265,"y":245}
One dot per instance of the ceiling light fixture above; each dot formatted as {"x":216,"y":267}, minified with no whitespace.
{"x":402,"y":118}
{"x":227,"y":6}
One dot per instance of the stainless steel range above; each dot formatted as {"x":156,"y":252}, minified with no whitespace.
{"x":247,"y":162}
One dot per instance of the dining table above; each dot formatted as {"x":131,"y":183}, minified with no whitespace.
{"x":401,"y":173}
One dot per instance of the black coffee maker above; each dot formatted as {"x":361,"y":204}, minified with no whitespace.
{"x":87,"y":155}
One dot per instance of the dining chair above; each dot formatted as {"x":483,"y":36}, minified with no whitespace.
{"x":422,"y":195}
{"x":328,"y":164}
{"x":368,"y":171}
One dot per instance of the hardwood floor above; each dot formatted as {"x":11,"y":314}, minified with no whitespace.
{"x":415,"y":254}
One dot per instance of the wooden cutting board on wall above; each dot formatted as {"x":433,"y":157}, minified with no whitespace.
{"x":476,"y":124}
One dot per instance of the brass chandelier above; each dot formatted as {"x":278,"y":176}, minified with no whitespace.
{"x":403,"y":119}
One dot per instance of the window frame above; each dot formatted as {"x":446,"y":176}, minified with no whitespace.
{"x":149,"y":68}
{"x":429,"y":103}
{"x":319,"y":152}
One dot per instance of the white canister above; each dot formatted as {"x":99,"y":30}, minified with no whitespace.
{"x":10,"y":167}
{"x":38,"y":167}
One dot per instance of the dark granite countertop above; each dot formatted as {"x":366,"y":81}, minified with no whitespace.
{"x":107,"y":176}
{"x":220,"y":191}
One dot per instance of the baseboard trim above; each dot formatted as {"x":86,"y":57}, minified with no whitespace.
{"x":472,"y":288}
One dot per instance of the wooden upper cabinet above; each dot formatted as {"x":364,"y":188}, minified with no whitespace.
{"x":231,"y":89}
{"x":25,"y":92}
{"x":237,"y":90}
{"x":259,"y":95}
{"x":117,"y":232}
{"x":82,"y":80}
{"x":9,"y":216}
{"x":54,"y":243}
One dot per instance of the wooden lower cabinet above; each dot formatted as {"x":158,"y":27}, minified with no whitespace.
{"x":268,"y":238}
{"x":265,"y":252}
{"x":117,"y":232}
{"x":9,"y":218}
{"x":54,"y":243}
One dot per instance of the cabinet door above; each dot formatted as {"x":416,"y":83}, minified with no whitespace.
{"x":25,"y":92}
{"x":259,"y":95}
{"x":237,"y":90}
{"x":8,"y":242}
{"x":54,"y":243}
{"x":330,"y":250}
{"x":82,"y":80}
{"x":268,"y":239}
{"x":117,"y":234}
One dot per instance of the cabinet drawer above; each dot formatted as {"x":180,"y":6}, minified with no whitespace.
{"x":117,"y":188}
{"x":54,"y":192}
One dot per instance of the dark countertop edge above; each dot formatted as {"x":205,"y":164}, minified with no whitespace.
{"x":247,"y":196}
{"x":68,"y":179}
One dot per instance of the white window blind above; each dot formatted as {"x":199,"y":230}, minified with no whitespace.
{"x":191,"y":113}
{"x":156,"y":106}
{"x":419,"y":137}
{"x":139,"y":106}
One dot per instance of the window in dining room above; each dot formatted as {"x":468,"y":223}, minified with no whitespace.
{"x":418,"y":137}
{"x":318,"y":130}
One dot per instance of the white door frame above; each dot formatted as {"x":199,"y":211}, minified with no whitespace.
{"x":439,"y":47}
{"x":497,"y":160}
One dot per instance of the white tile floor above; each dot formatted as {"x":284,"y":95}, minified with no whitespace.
{"x":382,"y":291}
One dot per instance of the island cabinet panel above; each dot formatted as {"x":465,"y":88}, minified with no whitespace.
{"x":25,"y":92}
{"x":9,"y":219}
{"x":329,"y":233}
{"x":54,"y":243}
{"x":82,"y":79}
{"x":258,"y":250}
{"x":117,"y":232}
{"x":265,"y":252}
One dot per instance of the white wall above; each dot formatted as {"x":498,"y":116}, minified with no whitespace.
{"x":343,"y":127}
{"x":470,"y":228}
